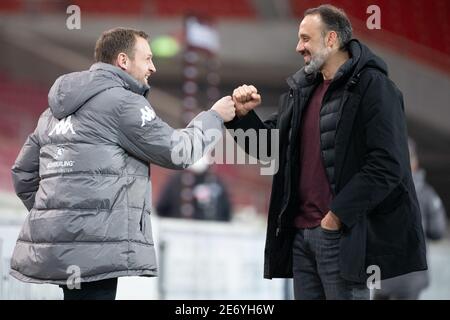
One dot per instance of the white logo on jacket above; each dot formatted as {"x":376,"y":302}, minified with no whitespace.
{"x":147,"y":115}
{"x":62,"y":127}
{"x":59,"y":153}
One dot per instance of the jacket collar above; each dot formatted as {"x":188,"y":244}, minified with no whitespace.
{"x":300,"y":79}
{"x":127,"y":81}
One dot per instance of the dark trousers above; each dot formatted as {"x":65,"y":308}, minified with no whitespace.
{"x":316,"y":268}
{"x":97,"y":290}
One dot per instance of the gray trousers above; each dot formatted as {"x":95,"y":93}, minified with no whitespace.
{"x":316,"y":268}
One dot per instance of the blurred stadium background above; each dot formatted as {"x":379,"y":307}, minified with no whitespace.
{"x":257,"y":40}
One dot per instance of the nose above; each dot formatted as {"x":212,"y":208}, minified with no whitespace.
{"x":300,"y":47}
{"x":152,"y":67}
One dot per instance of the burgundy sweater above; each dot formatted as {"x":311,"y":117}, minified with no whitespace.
{"x":314,"y":190}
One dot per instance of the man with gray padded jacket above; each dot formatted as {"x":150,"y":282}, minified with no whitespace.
{"x":84,"y":176}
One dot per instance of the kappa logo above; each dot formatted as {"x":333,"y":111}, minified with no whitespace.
{"x":147,"y":115}
{"x":62,"y":127}
{"x":59,"y":153}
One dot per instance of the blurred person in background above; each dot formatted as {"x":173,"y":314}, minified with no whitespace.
{"x":84,"y":172}
{"x":202,"y":197}
{"x":343,"y":199}
{"x":434,"y":221}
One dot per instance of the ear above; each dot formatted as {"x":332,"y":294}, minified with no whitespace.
{"x":122,"y":61}
{"x":332,"y":39}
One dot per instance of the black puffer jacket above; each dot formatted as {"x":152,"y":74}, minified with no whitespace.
{"x":364,"y":149}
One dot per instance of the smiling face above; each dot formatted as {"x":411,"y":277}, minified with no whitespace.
{"x":140,"y":66}
{"x":312,"y":43}
{"x":127,"y":49}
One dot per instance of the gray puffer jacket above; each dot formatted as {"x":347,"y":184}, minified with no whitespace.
{"x":84,"y":176}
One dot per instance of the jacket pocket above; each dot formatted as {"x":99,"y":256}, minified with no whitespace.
{"x":388,"y":229}
{"x":142,"y":221}
{"x":394,"y":200}
{"x":145,"y":225}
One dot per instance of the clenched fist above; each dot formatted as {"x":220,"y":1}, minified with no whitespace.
{"x":225,"y":108}
{"x":246,"y":98}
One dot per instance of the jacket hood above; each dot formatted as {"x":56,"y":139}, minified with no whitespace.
{"x":71,"y":91}
{"x":361,"y":57}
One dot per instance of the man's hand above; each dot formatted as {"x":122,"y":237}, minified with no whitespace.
{"x":246,"y":98}
{"x":225,"y":108}
{"x":330,"y":222}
